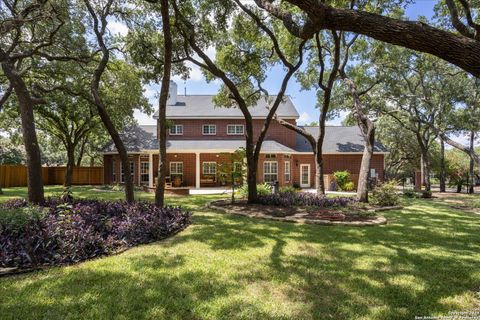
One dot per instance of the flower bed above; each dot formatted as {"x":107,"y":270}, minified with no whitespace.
{"x":63,"y":233}
{"x":304,"y":199}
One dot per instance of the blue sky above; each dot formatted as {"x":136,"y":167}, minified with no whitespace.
{"x":305,"y":101}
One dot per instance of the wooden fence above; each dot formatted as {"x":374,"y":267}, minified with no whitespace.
{"x":16,"y":176}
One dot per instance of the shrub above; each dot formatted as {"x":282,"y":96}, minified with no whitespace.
{"x":349,"y":186}
{"x":17,"y":218}
{"x":426,"y":194}
{"x":70,"y":232}
{"x":385,"y":194}
{"x":262,"y":189}
{"x":342,"y":178}
{"x":287,"y":189}
{"x":304,"y":199}
{"x":409,"y":193}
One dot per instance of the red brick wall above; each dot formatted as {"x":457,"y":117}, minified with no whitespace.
{"x":332,"y":163}
{"x":192,"y":129}
{"x":188,"y":160}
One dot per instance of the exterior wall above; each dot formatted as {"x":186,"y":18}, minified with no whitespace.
{"x":108,"y":168}
{"x":188,"y":160}
{"x":332,"y":163}
{"x":192,"y":129}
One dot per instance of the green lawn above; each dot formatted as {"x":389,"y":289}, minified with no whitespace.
{"x":426,"y":261}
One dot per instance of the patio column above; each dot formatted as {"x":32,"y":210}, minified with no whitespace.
{"x":150,"y":170}
{"x":197,"y":169}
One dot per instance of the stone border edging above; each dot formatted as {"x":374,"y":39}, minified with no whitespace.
{"x":380,"y":220}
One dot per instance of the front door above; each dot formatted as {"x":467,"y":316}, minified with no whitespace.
{"x":305,"y":175}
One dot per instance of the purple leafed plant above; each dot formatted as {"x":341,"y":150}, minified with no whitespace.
{"x":288,"y":199}
{"x":81,"y":229}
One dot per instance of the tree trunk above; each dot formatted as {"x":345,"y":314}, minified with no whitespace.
{"x":251,"y":173}
{"x":95,"y":90}
{"x":442,"y":166}
{"x":82,"y":151}
{"x":459,"y":50}
{"x":70,"y":163}
{"x":368,"y":131}
{"x":362,"y":188}
{"x":162,"y":118}
{"x":471,"y":174}
{"x":319,"y":182}
{"x":459,"y":188}
{"x":32,"y":149}
{"x":425,"y":163}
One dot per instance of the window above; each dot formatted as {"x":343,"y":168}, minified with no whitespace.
{"x":287,"y":170}
{"x":122,"y":175}
{"x":270,"y":171}
{"x":114,"y":171}
{"x":144,"y":172}
{"x":235,"y":129}
{"x":209,"y":129}
{"x":176,"y":168}
{"x":209,"y":168}
{"x":237,"y":167}
{"x":270,"y":156}
{"x":176,"y":130}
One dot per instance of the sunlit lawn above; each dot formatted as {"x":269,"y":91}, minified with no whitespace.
{"x":426,"y":261}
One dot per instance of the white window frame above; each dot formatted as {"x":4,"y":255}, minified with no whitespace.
{"x":144,"y":172}
{"x":114,"y":171}
{"x":269,"y":171}
{"x":235,"y":127}
{"x":209,"y":172}
{"x":209,"y":133}
{"x":288,"y":171}
{"x":237,"y":166}
{"x":176,"y":133}
{"x":132,"y":172}
{"x":175,"y":165}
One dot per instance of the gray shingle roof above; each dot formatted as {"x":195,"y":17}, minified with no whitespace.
{"x":202,"y":106}
{"x":337,"y":139}
{"x":138,"y":138}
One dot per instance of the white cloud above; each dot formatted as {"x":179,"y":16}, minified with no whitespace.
{"x":304,"y":118}
{"x":116,"y":27}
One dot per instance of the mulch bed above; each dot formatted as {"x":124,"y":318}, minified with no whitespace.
{"x":325,"y":216}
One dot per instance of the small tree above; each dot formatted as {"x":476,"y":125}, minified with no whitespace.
{"x":232,"y":171}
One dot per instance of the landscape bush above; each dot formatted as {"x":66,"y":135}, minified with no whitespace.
{"x":67,"y":232}
{"x":342,"y":178}
{"x":349,"y":186}
{"x":409,"y":193}
{"x":385,"y":194}
{"x":303,"y":199}
{"x":426,"y":194}
{"x":287,"y":189}
{"x":262,"y":189}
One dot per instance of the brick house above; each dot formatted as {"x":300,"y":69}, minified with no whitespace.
{"x":200,"y":135}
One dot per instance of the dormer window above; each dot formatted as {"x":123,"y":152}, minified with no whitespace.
{"x":176,"y":130}
{"x":209,"y":129}
{"x":235,"y":129}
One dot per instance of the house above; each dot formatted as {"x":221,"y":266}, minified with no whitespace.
{"x":200,"y":135}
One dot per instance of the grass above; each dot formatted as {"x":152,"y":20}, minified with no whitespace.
{"x":425,"y":262}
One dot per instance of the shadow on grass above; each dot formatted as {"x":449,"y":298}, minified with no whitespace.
{"x":424,"y":262}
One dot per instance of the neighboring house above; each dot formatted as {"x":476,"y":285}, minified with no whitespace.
{"x":200,"y":135}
